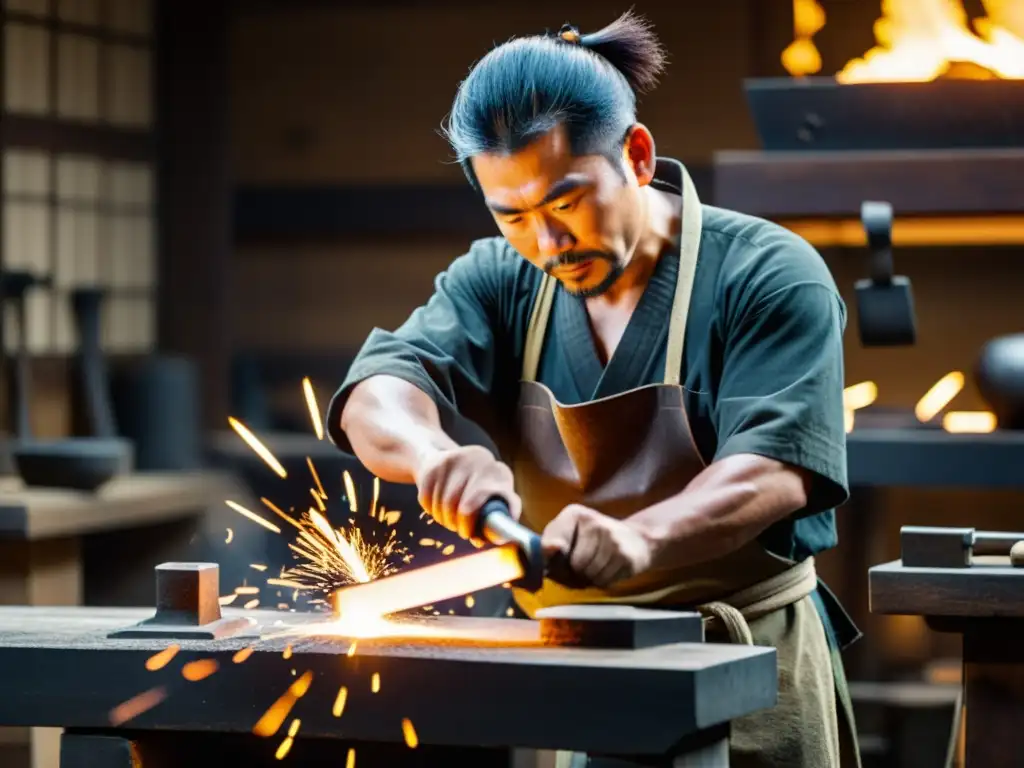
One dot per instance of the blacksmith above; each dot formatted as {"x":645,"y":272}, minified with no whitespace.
{"x":660,"y":381}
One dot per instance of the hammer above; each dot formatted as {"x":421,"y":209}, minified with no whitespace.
{"x":929,"y":547}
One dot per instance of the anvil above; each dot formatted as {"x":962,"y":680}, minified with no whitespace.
{"x":499,"y":684}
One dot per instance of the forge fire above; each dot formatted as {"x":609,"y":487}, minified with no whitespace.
{"x":920,"y":41}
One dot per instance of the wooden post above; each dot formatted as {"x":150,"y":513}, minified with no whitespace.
{"x":195,"y":192}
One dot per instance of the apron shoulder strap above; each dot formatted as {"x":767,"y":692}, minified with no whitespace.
{"x":537,"y":326}
{"x":689,"y":250}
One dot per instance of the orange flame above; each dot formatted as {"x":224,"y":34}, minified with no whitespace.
{"x":921,"y":40}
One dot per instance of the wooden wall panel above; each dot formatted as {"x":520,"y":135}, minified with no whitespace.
{"x":356,"y":95}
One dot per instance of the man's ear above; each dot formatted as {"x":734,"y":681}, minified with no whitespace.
{"x":639,"y":154}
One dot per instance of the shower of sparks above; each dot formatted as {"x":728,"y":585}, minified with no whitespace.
{"x":333,"y":557}
{"x":330,"y":557}
{"x":261,"y":450}
{"x":252,"y":516}
{"x":314,"y":409}
{"x":350,"y":760}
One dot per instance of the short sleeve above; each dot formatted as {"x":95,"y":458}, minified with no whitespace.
{"x":450,"y":347}
{"x":781,"y":386}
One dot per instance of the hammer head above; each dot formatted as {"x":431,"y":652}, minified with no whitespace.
{"x":926,"y":547}
{"x":885,"y":312}
{"x":16,"y":284}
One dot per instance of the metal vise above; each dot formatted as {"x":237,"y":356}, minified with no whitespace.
{"x":927,"y":547}
{"x":885,"y":302}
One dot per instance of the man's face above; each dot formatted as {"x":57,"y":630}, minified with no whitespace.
{"x":577,"y":218}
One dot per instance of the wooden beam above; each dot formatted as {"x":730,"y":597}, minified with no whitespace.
{"x":194,"y":193}
{"x":914,"y":231}
{"x":834,"y":184}
{"x":71,"y":138}
{"x":266,"y":212}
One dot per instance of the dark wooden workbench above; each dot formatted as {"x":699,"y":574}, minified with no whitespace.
{"x":493,"y":687}
{"x":48,"y":537}
{"x":985,"y":604}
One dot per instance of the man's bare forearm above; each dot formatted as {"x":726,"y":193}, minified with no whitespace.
{"x":727,"y":505}
{"x":392,"y":426}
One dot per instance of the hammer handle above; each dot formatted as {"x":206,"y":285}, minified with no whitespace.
{"x":495,"y":524}
{"x":994,"y":542}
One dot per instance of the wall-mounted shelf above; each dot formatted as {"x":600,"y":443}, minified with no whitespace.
{"x":940,"y":197}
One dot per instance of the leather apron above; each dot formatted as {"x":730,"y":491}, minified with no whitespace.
{"x":625,"y":452}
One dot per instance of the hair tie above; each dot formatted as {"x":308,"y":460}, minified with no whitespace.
{"x":569,"y":33}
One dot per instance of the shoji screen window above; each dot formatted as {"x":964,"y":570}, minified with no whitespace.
{"x":27,"y":236}
{"x":129,"y":264}
{"x":78,"y":164}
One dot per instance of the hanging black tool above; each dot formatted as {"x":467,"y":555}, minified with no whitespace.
{"x":885,"y":302}
{"x":94,"y":412}
{"x":15,"y":287}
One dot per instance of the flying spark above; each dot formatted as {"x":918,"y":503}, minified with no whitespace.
{"x":314,"y":409}
{"x":411,"y":739}
{"x":261,"y":450}
{"x":272,"y":719}
{"x":339,"y":702}
{"x":252,"y":516}
{"x":350,"y":490}
{"x":316,"y":478}
{"x":135,"y":706}
{"x":195,"y":671}
{"x":162,"y":659}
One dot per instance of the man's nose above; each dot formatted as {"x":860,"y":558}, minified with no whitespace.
{"x":552,"y":240}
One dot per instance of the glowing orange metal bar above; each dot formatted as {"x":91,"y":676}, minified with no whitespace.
{"x":430,"y":584}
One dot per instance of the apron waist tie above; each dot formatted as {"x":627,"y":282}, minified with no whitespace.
{"x":763,"y":598}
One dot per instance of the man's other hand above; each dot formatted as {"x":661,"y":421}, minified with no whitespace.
{"x":453,"y":486}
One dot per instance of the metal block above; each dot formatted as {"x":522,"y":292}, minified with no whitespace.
{"x":926,"y":547}
{"x":186,"y":593}
{"x":85,"y":750}
{"x":618,"y":626}
{"x":187,"y":606}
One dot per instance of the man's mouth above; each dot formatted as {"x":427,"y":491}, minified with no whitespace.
{"x":575,"y":270}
